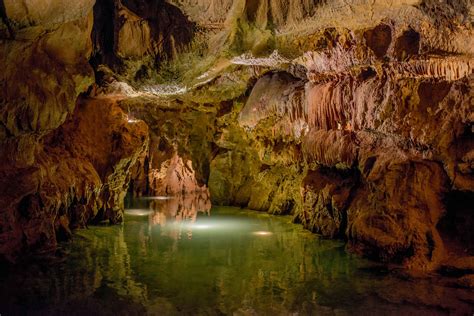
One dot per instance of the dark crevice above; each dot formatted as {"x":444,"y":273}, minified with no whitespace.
{"x":379,"y":39}
{"x":4,"y":18}
{"x":103,"y":35}
{"x":456,"y":226}
{"x":407,"y":45}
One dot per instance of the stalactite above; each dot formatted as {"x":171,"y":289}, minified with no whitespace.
{"x":332,"y":61}
{"x":446,"y":69}
{"x":330,"y":147}
{"x":328,"y":107}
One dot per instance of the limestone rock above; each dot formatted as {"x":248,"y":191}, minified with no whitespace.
{"x":373,"y":130}
{"x":356,"y":117}
{"x":134,"y":36}
{"x":177,"y":160}
{"x":80,"y":176}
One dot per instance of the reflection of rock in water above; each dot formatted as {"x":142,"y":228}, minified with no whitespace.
{"x":98,"y":271}
{"x":181,"y":210}
{"x":136,"y":270}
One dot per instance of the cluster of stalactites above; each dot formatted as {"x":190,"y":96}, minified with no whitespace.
{"x":332,"y":61}
{"x":450,"y":69}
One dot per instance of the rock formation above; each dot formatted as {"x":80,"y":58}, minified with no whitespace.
{"x":356,"y":117}
{"x":373,"y":132}
{"x":79,"y":176}
{"x":64,"y":162}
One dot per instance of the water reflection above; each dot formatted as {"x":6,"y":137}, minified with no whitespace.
{"x":236,"y":263}
{"x":176,"y":215}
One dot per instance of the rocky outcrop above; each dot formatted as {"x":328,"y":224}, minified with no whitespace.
{"x":80,"y":176}
{"x":181,"y":140}
{"x":169,"y":177}
{"x":373,"y":134}
{"x":134,"y":37}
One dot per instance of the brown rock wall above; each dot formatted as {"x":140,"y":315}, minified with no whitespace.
{"x":80,"y":175}
{"x":376,"y":141}
{"x":134,"y":37}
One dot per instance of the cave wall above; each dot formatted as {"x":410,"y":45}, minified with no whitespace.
{"x":134,"y":37}
{"x":40,"y":82}
{"x":71,"y":150}
{"x":367,"y":148}
{"x":360,"y":126}
{"x":65,"y":160}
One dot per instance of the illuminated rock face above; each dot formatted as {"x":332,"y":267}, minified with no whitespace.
{"x":80,"y":175}
{"x":132,"y":37}
{"x":174,"y":177}
{"x":379,"y":149}
{"x":359,"y":123}
{"x":369,"y":139}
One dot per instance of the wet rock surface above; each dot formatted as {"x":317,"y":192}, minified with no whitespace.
{"x":80,"y":176}
{"x":371,"y":136}
{"x":355,"y":117}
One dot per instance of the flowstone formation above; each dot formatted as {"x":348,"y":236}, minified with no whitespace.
{"x":360,"y":125}
{"x":356,"y":117}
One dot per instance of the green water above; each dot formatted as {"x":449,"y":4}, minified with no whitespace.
{"x":175,"y":257}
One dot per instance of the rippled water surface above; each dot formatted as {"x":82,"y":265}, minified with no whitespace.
{"x":181,"y":257}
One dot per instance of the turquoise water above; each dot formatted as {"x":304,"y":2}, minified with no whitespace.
{"x":181,"y":257}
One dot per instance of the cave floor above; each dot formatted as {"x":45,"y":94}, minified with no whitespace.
{"x":175,"y":257}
